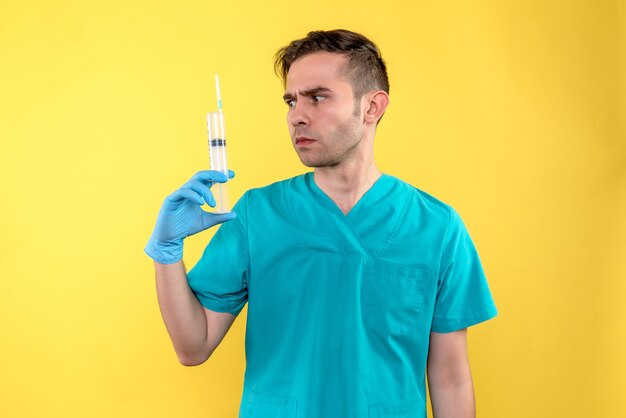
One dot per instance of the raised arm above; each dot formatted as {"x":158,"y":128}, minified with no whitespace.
{"x":194,"y":330}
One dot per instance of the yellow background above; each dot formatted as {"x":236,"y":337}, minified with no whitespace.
{"x":511,"y":111}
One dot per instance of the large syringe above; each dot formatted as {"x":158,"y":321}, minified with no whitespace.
{"x":217,"y":152}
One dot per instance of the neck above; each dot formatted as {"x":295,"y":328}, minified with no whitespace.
{"x":346,"y":183}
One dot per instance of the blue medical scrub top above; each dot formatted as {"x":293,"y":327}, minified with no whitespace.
{"x":341,"y":307}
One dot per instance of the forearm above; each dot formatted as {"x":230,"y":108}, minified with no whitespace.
{"x":449,"y":376}
{"x":453,"y":399}
{"x":182,"y":313}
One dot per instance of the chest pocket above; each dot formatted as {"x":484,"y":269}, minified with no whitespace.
{"x":392,"y":297}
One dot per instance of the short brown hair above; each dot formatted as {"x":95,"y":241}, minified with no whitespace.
{"x":365,"y":68}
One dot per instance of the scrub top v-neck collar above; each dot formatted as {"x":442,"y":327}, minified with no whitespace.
{"x":380,"y":187}
{"x":373,"y":229}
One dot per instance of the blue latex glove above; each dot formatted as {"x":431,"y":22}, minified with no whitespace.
{"x":181,"y":215}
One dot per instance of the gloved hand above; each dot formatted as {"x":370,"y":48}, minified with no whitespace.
{"x":181,"y":215}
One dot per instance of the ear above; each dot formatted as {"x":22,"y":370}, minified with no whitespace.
{"x":377,"y":102}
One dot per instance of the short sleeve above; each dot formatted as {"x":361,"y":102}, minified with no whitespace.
{"x":463,"y":296}
{"x":219,"y":278}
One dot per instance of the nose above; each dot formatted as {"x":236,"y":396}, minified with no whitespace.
{"x":298,"y":116}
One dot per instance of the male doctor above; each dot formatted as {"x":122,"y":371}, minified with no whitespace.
{"x":357,"y":283}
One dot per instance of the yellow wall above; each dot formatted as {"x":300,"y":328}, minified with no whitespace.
{"x":514,"y":112}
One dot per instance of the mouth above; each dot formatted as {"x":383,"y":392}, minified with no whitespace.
{"x":302,"y":140}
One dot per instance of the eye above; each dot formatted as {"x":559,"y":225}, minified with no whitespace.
{"x":318,"y":98}
{"x":291,"y":103}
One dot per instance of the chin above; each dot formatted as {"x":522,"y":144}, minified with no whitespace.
{"x":310,"y":164}
{"x":306,"y":161}
{"x":317,"y":162}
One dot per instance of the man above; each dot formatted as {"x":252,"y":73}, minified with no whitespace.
{"x":356,"y":282}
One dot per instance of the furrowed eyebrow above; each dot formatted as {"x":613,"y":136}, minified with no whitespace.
{"x":307,"y":93}
{"x":315,"y":91}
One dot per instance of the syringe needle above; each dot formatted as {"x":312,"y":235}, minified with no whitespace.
{"x":219,"y":95}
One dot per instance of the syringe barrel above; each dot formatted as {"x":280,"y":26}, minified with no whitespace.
{"x":217,"y":158}
{"x":217,"y":142}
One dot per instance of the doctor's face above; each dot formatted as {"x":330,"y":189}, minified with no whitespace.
{"x":324,"y":119}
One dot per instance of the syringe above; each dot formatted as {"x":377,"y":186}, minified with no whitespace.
{"x":217,"y":152}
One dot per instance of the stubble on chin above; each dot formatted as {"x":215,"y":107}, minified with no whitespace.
{"x":311,"y":162}
{"x":312,"y":159}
